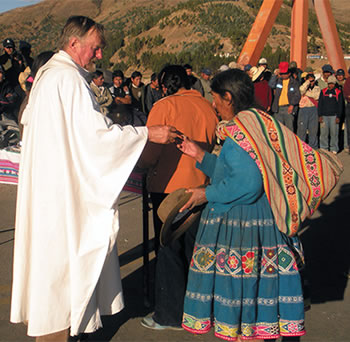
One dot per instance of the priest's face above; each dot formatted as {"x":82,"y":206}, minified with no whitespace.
{"x":89,"y":48}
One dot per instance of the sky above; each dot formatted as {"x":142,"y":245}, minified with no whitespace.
{"x":6,"y":5}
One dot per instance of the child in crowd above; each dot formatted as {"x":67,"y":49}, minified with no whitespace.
{"x":330,"y":108}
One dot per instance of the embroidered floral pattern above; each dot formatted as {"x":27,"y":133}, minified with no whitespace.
{"x":220,"y":260}
{"x":203,"y":258}
{"x":195,"y":325}
{"x":232,"y":262}
{"x":248,"y":262}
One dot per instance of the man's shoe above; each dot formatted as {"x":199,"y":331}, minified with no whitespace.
{"x":148,"y":322}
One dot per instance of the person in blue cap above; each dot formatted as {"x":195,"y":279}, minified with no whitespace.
{"x":327,"y":70}
{"x":205,"y":80}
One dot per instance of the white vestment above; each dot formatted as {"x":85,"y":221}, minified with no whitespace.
{"x":73,"y":166}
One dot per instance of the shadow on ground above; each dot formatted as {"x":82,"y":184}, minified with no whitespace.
{"x":326,"y":247}
{"x":327,"y":254}
{"x":137,"y":304}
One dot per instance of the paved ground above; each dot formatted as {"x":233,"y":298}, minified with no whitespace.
{"x":326,"y":243}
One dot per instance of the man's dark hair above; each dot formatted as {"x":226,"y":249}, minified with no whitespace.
{"x":173,"y":77}
{"x":136,"y":74}
{"x":154,"y":76}
{"x":238,"y":84}
{"x":118,"y":73}
{"x":96,"y":74}
{"x":188,"y":66}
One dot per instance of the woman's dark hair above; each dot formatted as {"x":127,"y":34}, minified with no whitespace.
{"x":238,"y":84}
{"x":173,"y":77}
{"x":39,"y":61}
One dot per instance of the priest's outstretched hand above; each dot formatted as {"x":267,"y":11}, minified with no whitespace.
{"x":161,"y":134}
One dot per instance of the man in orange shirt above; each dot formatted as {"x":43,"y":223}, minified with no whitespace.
{"x":170,"y":170}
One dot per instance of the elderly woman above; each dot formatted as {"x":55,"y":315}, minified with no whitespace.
{"x":244,"y":278}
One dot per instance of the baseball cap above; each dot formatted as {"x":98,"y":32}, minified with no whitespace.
{"x":206,"y":71}
{"x":332,"y":79}
{"x":328,"y":68}
{"x":8,"y":43}
{"x":304,"y":74}
{"x":247,"y":67}
{"x":262,"y":61}
{"x":340,"y":72}
{"x":283,"y":66}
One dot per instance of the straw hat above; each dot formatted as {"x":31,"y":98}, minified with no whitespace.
{"x":174,"y":222}
{"x":256,"y":72}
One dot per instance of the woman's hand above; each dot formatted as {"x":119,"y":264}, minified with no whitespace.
{"x":197,"y":198}
{"x":191,"y":149}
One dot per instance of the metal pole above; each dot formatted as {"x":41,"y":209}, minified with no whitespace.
{"x":257,"y":37}
{"x":330,"y":34}
{"x":299,"y":28}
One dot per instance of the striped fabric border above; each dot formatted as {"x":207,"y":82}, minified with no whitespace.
{"x":9,"y":165}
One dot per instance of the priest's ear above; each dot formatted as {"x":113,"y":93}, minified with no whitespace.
{"x":73,"y":43}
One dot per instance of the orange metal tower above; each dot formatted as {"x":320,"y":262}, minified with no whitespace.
{"x":265,"y":19}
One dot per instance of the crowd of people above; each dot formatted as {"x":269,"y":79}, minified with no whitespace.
{"x":314,"y":105}
{"x":14,"y":70}
{"x":236,"y":268}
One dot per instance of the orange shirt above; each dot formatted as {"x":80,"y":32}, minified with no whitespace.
{"x":194,"y":116}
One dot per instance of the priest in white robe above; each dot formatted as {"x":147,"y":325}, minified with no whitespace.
{"x":73,"y":166}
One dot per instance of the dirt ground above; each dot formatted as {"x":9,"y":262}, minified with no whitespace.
{"x":325,"y":237}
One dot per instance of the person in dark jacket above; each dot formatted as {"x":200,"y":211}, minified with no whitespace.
{"x":10,"y":61}
{"x":8,"y":98}
{"x":137,"y":91}
{"x":153,"y":93}
{"x":195,"y":82}
{"x":330,"y":107}
{"x":346,"y":92}
{"x":286,"y":95}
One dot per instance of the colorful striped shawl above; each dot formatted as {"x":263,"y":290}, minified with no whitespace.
{"x":296,"y":177}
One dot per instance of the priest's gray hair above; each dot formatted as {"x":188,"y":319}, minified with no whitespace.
{"x":78,"y":26}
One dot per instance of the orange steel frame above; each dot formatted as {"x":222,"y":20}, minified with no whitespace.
{"x":265,"y":19}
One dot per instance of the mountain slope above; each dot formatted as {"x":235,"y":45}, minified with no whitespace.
{"x":145,"y":33}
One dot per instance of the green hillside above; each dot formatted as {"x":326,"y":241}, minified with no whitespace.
{"x":145,"y":34}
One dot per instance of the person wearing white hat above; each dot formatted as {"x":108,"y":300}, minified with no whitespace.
{"x":223,"y":67}
{"x":262,"y":91}
{"x":262,"y":62}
